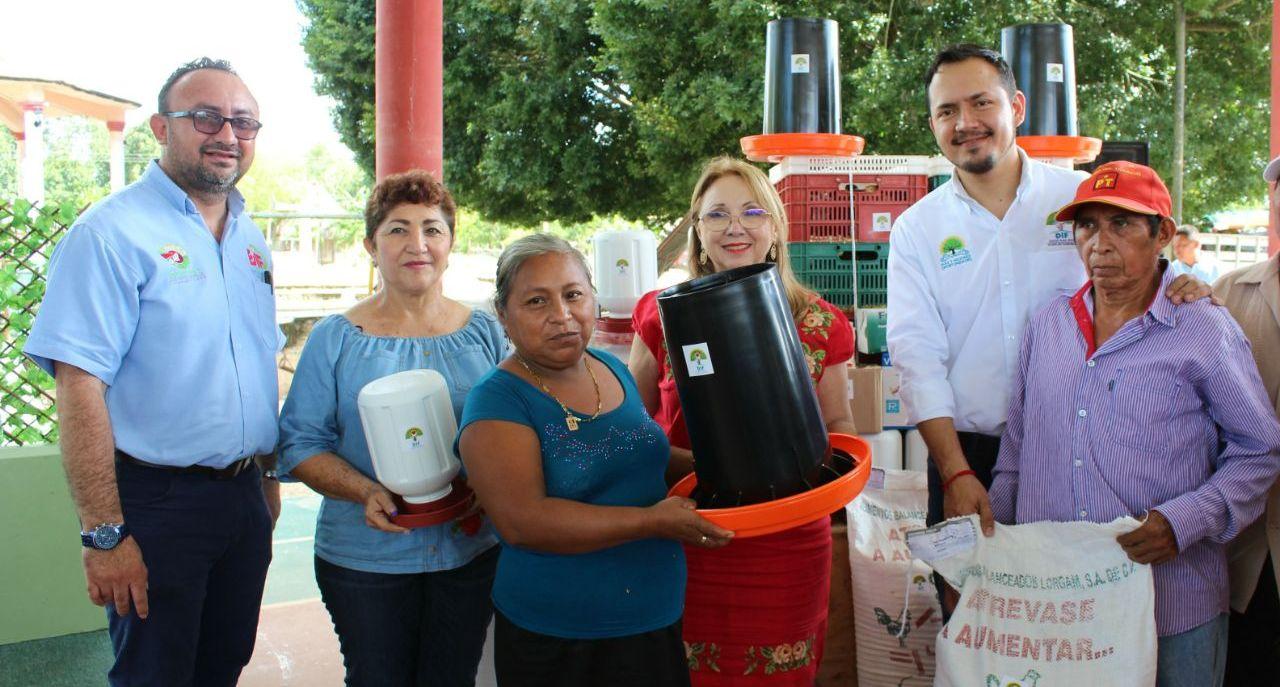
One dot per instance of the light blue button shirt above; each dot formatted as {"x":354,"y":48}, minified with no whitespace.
{"x":321,"y":416}
{"x":1205,"y":269}
{"x":180,"y":327}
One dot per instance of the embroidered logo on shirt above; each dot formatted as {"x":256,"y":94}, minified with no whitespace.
{"x":175,"y":255}
{"x":1061,"y":237}
{"x":255,"y":258}
{"x":953,"y":252}
{"x":622,"y":265}
{"x":178,"y":264}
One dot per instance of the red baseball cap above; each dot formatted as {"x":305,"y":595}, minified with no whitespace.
{"x":1127,"y":185}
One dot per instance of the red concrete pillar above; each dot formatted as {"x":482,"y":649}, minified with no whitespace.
{"x":1273,"y":241}
{"x":409,"y":86}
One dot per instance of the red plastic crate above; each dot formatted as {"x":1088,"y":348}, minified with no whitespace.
{"x":818,"y":207}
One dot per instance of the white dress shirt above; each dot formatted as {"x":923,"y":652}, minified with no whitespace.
{"x":962,"y":285}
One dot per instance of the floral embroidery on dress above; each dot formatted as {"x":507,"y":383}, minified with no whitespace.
{"x":699,"y":653}
{"x":780,"y":658}
{"x":814,"y":358}
{"x":816,"y":320}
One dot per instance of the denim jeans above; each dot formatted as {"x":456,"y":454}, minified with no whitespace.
{"x":1195,"y":658}
{"x":414,"y":630}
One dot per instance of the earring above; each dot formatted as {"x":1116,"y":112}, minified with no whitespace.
{"x":773,"y":252}
{"x":702,"y":256}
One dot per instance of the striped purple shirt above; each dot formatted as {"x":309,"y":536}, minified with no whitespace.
{"x":1168,"y":414}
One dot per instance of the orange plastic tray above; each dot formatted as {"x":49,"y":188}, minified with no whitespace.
{"x":774,"y":147}
{"x":760,"y":519}
{"x":1078,"y":148}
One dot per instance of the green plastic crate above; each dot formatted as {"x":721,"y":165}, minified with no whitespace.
{"x":828,"y":269}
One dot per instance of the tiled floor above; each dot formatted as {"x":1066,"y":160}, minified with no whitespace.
{"x":295,"y":646}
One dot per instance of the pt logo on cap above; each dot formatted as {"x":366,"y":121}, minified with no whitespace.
{"x":1107,"y":180}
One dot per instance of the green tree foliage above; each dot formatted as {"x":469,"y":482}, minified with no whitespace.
{"x":561,"y":109}
{"x":140,"y":148}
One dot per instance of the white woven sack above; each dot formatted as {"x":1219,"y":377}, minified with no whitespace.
{"x":1042,"y":605}
{"x":893,"y":502}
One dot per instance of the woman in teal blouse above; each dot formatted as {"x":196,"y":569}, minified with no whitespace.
{"x":411,"y":607}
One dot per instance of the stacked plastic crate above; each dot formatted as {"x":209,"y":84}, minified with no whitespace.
{"x":840,"y":211}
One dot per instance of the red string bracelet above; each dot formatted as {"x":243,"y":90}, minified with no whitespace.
{"x":957,"y":476}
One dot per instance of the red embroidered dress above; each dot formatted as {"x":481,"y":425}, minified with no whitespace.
{"x":756,"y":610}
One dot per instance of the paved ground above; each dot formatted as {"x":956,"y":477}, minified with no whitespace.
{"x":296,"y":645}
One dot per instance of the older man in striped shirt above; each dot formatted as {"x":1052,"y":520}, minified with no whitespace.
{"x":1125,"y":404}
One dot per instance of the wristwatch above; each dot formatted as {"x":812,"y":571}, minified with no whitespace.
{"x":104,"y":537}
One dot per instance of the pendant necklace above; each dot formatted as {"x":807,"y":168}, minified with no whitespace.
{"x":570,"y":419}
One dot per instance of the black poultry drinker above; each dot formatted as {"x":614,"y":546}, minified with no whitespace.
{"x":748,"y":401}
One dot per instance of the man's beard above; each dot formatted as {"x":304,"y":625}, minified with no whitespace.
{"x":979,"y":166}
{"x":200,"y":179}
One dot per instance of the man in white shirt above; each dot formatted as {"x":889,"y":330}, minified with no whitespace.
{"x":968,"y":264}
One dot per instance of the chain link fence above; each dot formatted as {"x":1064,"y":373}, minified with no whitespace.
{"x":28,"y":234}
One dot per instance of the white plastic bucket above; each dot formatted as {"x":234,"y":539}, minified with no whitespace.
{"x":409,"y":425}
{"x":626,"y":268}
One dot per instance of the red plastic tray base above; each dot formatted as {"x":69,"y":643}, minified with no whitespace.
{"x":437,"y":512}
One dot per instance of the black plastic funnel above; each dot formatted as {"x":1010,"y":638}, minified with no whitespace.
{"x":748,"y":401}
{"x":1043,"y":59}
{"x":802,"y":77}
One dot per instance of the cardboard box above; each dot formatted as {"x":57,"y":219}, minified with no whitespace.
{"x":895,"y":409}
{"x":866,"y":399}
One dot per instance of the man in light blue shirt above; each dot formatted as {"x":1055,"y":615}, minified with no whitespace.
{"x":1187,"y":257}
{"x":159,"y":326}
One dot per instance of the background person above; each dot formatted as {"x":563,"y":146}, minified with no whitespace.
{"x":558,"y":446}
{"x":159,"y":325}
{"x":1127,"y":405}
{"x":1252,"y":296}
{"x":1187,"y":258}
{"x":411,"y":607}
{"x":734,"y":632}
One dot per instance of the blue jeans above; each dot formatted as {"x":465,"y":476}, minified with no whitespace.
{"x":206,"y":543}
{"x":1195,"y":658}
{"x":411,"y":630}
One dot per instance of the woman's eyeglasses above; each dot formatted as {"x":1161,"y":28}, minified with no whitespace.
{"x":719,"y":220}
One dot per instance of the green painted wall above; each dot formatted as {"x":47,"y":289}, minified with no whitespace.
{"x":42,"y":587}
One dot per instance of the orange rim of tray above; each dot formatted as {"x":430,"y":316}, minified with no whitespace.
{"x":786,"y":513}
{"x":1079,"y":148}
{"x":437,"y":512}
{"x":774,"y":147}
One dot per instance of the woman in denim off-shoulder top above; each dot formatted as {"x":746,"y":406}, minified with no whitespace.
{"x":410,"y":607}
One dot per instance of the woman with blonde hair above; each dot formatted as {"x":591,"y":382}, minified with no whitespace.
{"x":755,"y":610}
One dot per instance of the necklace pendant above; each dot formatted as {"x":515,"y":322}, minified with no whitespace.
{"x":572,"y":422}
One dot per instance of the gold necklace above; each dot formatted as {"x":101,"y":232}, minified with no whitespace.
{"x":569,"y":418}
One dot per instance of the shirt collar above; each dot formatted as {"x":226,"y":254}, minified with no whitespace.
{"x":158,"y":180}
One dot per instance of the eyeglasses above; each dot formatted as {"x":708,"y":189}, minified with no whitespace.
{"x":719,"y":220}
{"x":210,"y":122}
